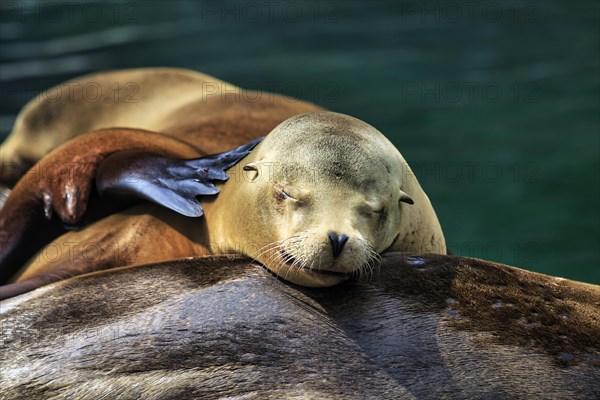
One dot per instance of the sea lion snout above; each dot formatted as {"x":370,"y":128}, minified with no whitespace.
{"x":337,"y":242}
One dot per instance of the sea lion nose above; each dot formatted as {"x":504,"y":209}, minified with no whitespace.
{"x":337,"y":243}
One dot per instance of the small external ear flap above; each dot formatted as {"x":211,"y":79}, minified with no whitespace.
{"x":405,"y":198}
{"x":251,"y":167}
{"x":253,"y":170}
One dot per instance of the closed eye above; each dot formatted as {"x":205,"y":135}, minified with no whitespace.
{"x":297,"y":198}
{"x":283,"y":195}
{"x":370,"y":212}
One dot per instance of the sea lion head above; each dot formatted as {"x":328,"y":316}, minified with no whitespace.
{"x":328,"y":193}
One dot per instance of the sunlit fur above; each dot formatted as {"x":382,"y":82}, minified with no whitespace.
{"x":314,"y":174}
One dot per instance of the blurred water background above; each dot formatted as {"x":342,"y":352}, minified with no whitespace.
{"x":495,"y":104}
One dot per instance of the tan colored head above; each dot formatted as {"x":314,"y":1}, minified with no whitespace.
{"x":319,"y":199}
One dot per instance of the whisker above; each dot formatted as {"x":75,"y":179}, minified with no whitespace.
{"x":270,"y":246}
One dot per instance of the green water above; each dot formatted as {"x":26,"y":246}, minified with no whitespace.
{"x":495,"y":104}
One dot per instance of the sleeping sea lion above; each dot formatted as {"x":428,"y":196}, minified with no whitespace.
{"x":316,"y":202}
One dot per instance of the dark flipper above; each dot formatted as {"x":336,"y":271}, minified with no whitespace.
{"x":170,"y":182}
{"x":34,"y":213}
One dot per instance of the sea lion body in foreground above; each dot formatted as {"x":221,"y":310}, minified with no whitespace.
{"x":317,"y":201}
{"x":422,"y":327}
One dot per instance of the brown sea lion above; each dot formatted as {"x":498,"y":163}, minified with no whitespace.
{"x":316,"y":202}
{"x":203,"y":115}
{"x":221,"y":327}
{"x":178,"y":102}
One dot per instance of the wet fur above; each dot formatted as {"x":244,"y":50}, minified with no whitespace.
{"x":420,"y":327}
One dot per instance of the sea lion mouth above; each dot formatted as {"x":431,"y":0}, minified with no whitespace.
{"x":292,"y":261}
{"x":324,"y":272}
